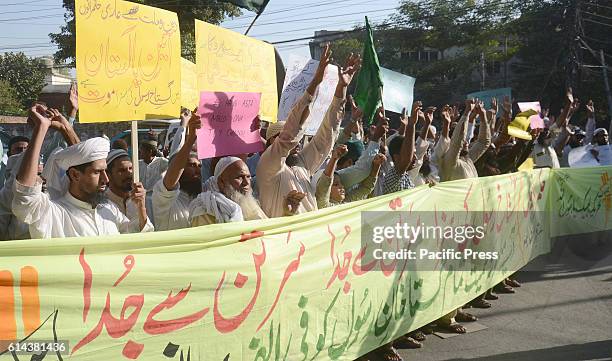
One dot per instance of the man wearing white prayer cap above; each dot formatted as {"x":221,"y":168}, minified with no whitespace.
{"x":600,"y":136}
{"x":79,"y":211}
{"x":229,"y":197}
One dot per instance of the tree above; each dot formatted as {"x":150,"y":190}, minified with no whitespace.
{"x":26,"y":76}
{"x":441,"y":44}
{"x":9,"y":104}
{"x":210,"y":11}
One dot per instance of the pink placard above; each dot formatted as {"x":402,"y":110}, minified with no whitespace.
{"x":536,"y":121}
{"x":228,"y":124}
{"x":530,"y":105}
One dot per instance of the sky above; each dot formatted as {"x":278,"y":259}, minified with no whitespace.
{"x":25,"y":25}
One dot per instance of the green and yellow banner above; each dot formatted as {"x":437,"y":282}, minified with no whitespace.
{"x":292,"y":288}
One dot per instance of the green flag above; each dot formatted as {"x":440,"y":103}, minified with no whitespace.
{"x":368,"y":93}
{"x":254,"y":5}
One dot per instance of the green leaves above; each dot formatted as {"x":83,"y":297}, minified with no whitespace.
{"x":25,"y":77}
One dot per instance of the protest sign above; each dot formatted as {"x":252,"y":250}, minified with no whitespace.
{"x":300,"y":72}
{"x":228,"y":124}
{"x":398,"y":91}
{"x":525,"y":106}
{"x":170,"y":133}
{"x":189,"y":85}
{"x":127,"y":61}
{"x":227,"y":61}
{"x":590,"y":156}
{"x":535,"y":120}
{"x":518,"y":127}
{"x":486,"y":96}
{"x":288,"y":288}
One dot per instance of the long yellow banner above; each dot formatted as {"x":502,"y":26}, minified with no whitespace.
{"x":295,"y":288}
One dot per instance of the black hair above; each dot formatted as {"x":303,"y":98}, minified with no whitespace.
{"x":120,"y":144}
{"x":395,"y":146}
{"x":116,"y":160}
{"x":81,"y":168}
{"x":16,"y":139}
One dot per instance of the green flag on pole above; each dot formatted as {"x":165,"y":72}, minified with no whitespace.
{"x":368,"y":93}
{"x":254,"y":5}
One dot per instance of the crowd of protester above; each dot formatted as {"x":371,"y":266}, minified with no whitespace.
{"x":54,"y":185}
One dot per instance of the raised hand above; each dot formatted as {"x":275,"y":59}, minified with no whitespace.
{"x":58,"y":121}
{"x":356,"y":112}
{"x":323,"y":63}
{"x":507,"y":106}
{"x":292,"y":202}
{"x":569,"y":96}
{"x":339,"y":152}
{"x":574,"y":106}
{"x":480,"y":107}
{"x":39,"y":117}
{"x":446,"y":113}
{"x":494,"y":106}
{"x":417,"y":112}
{"x":193,"y":125}
{"x":378,"y":160}
{"x":455,"y":113}
{"x":138,"y":194}
{"x":381,"y":128}
{"x":470,"y":105}
{"x":590,"y":107}
{"x":185,"y":116}
{"x":346,"y":73}
{"x":74,"y":99}
{"x":429,"y":114}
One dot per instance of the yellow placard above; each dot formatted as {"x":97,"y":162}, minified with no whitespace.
{"x":230,"y":62}
{"x":128,"y":61}
{"x":190,"y":97}
{"x":528,"y":164}
{"x":518,"y":127}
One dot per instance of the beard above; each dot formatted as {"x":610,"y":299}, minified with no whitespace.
{"x":249,"y":205}
{"x":193,"y":188}
{"x":292,"y":159}
{"x":95,"y":198}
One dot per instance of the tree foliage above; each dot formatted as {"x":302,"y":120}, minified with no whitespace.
{"x":9,"y":104}
{"x":529,"y":45}
{"x":25,"y":76}
{"x":210,"y":11}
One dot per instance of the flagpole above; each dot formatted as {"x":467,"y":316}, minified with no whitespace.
{"x":135,"y":151}
{"x":257,"y":17}
{"x":252,"y":23}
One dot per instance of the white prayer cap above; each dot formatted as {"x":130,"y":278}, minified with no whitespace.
{"x":114,"y":154}
{"x":59,"y":162}
{"x":433,"y":130}
{"x":600,"y":130}
{"x":84,"y":152}
{"x":223,"y":164}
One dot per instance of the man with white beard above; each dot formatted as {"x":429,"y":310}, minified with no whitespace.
{"x":229,"y":196}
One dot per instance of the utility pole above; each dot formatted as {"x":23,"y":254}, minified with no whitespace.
{"x":604,"y":69}
{"x":482,"y":65}
{"x":505,"y":60}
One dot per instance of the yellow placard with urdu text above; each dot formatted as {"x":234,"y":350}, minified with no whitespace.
{"x":230,"y":62}
{"x":128,"y":61}
{"x":190,"y":97}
